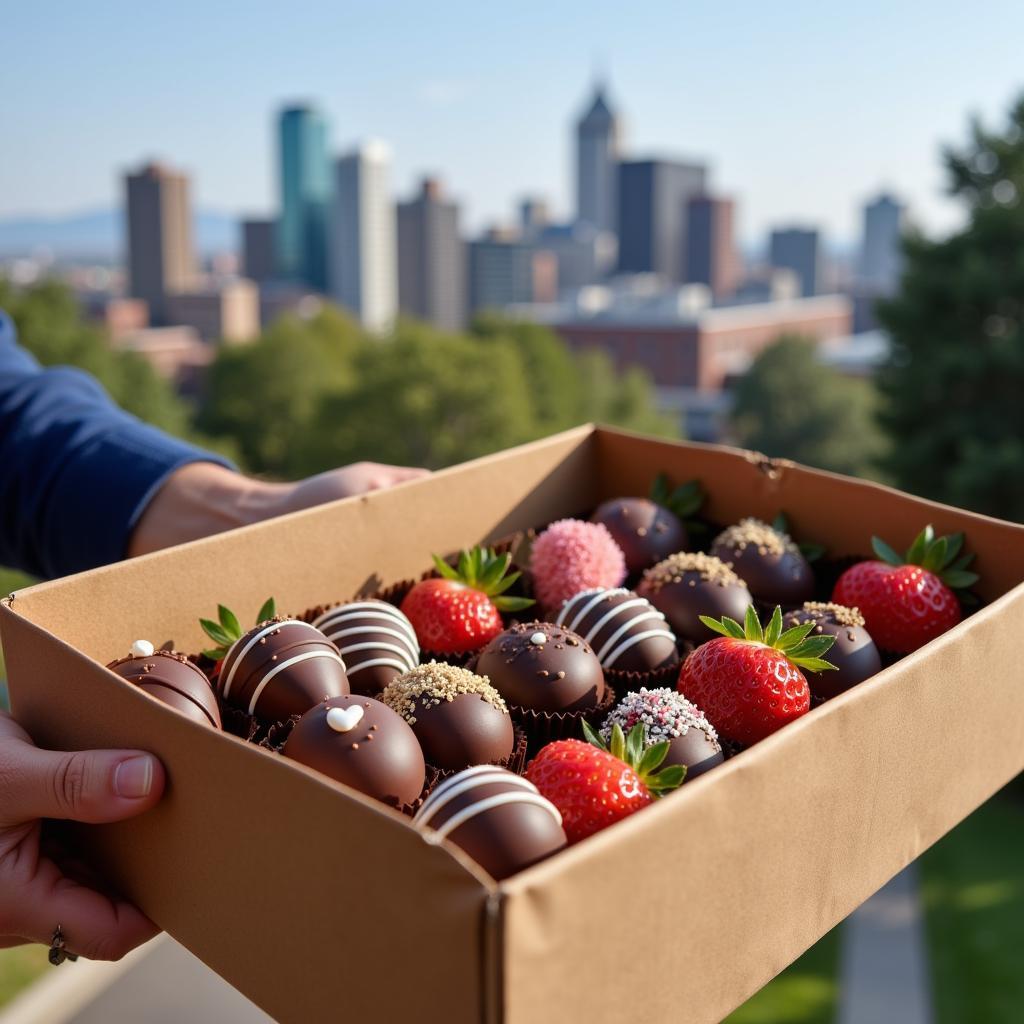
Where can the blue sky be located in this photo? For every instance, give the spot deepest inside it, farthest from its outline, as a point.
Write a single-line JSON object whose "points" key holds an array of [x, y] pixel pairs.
{"points": [[801, 109]]}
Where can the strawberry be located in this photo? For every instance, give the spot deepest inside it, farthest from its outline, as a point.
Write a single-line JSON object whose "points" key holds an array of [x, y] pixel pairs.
{"points": [[228, 629], [461, 611], [748, 680], [594, 785], [908, 600]]}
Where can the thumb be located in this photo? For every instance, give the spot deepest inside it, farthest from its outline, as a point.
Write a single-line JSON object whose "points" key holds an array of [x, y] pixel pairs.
{"points": [[91, 786]]}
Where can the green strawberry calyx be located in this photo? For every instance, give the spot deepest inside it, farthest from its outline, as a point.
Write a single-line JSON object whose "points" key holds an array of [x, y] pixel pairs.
{"points": [[481, 569], [684, 501], [939, 555], [645, 761], [227, 629], [802, 650]]}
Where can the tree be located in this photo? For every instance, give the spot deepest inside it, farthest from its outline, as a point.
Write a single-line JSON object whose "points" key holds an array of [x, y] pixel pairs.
{"points": [[51, 327], [788, 405], [955, 380], [421, 398], [266, 395]]}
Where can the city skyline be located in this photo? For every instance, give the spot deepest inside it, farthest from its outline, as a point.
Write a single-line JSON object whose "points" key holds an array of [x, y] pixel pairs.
{"points": [[810, 148]]}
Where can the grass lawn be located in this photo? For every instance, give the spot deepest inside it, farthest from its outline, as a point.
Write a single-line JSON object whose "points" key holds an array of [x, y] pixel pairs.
{"points": [[804, 993], [973, 889]]}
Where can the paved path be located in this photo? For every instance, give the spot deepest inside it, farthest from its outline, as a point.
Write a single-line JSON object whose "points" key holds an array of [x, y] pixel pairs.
{"points": [[884, 965]]}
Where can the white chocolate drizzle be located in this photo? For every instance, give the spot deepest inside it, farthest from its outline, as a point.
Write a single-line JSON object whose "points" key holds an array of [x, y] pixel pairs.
{"points": [[591, 599]]}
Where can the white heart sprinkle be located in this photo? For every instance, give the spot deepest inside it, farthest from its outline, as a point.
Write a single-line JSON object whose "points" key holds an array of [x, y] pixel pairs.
{"points": [[344, 719], [142, 649], [538, 639]]}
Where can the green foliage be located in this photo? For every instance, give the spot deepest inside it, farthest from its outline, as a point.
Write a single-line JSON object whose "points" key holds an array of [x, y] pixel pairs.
{"points": [[953, 385], [790, 406], [51, 327]]}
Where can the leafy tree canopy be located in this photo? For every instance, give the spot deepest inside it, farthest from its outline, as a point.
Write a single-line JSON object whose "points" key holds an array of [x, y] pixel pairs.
{"points": [[788, 405], [955, 381]]}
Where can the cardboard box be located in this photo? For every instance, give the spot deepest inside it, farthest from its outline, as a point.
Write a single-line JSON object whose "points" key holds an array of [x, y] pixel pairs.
{"points": [[321, 905]]}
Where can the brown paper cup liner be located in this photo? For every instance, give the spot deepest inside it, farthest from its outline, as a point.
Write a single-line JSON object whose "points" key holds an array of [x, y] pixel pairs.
{"points": [[432, 779], [543, 727], [515, 762], [630, 682]]}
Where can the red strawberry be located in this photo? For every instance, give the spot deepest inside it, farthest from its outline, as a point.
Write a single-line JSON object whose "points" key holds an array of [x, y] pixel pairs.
{"points": [[748, 681], [461, 611], [594, 786], [907, 601]]}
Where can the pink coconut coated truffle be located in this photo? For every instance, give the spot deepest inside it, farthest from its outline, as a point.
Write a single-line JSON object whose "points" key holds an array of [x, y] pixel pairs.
{"points": [[570, 556]]}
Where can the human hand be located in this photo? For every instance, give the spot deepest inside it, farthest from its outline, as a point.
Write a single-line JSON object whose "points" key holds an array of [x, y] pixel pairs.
{"points": [[92, 786], [204, 498]]}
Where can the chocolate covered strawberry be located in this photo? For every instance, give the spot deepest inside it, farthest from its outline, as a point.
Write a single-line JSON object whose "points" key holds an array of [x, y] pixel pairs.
{"points": [[227, 629], [594, 785], [910, 599], [461, 611], [748, 681]]}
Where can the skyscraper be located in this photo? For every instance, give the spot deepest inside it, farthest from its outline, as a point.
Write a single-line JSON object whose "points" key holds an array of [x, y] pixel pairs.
{"points": [[431, 259], [161, 259], [798, 249], [597, 154], [881, 258], [363, 263], [711, 256], [305, 182], [653, 199], [258, 251], [505, 270]]}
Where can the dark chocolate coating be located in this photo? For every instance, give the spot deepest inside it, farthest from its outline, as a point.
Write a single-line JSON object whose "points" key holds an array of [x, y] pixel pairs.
{"points": [[504, 839], [696, 750], [785, 579], [854, 653], [610, 642], [375, 640], [646, 532], [293, 690], [464, 731], [173, 679], [379, 756], [560, 674], [683, 603]]}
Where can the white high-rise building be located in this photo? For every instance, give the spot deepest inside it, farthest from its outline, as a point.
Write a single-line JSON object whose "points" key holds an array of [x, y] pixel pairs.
{"points": [[881, 259], [363, 255], [597, 156]]}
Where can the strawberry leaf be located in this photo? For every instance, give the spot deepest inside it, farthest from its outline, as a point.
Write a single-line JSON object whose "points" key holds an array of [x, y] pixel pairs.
{"points": [[962, 562], [780, 523], [812, 552], [884, 552], [917, 550], [725, 626], [447, 571], [660, 490], [215, 654], [812, 664], [652, 759], [794, 635], [935, 557], [635, 744], [216, 632], [773, 630], [229, 621], [512, 604], [752, 626], [592, 736], [686, 500], [267, 611], [954, 542], [812, 647], [959, 578], [666, 780], [617, 747]]}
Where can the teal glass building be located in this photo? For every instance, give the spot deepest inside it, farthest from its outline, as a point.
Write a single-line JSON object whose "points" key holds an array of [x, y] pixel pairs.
{"points": [[305, 183]]}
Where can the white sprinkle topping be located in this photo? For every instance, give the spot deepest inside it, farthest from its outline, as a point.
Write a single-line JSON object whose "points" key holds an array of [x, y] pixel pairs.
{"points": [[539, 639], [142, 649]]}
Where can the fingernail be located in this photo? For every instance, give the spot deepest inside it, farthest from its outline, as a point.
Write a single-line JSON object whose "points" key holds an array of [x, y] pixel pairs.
{"points": [[133, 778]]}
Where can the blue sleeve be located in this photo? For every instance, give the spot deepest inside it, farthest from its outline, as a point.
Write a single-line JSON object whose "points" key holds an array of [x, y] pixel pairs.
{"points": [[76, 472]]}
